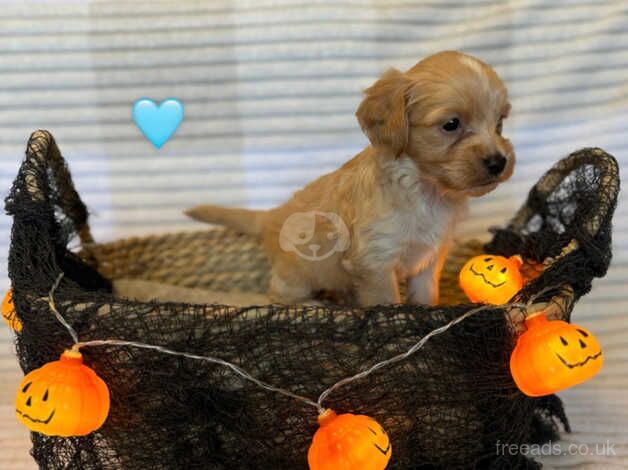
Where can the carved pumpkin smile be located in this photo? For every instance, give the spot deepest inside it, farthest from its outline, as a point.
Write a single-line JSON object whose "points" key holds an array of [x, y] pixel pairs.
{"points": [[484, 277], [8, 312], [383, 451], [581, 363], [34, 420]]}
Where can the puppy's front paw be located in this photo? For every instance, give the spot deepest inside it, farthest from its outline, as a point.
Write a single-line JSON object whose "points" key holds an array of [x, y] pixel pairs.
{"points": [[423, 290], [428, 299]]}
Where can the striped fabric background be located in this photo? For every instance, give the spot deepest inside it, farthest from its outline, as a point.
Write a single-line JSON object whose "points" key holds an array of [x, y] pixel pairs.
{"points": [[270, 88]]}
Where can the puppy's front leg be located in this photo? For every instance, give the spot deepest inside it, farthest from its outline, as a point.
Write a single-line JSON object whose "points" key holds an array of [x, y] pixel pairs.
{"points": [[423, 286], [378, 289]]}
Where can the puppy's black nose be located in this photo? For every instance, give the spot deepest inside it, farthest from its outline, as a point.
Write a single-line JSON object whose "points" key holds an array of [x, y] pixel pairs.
{"points": [[495, 163]]}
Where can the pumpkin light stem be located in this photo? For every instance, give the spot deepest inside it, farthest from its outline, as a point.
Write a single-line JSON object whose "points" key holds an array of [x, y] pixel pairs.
{"points": [[70, 356], [535, 318], [326, 417]]}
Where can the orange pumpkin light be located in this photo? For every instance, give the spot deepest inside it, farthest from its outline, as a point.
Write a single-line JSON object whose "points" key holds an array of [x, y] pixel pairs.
{"points": [[63, 398], [491, 279], [348, 442], [8, 312], [553, 355]]}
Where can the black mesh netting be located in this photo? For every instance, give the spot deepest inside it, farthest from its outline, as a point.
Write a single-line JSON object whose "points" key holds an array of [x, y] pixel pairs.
{"points": [[445, 407]]}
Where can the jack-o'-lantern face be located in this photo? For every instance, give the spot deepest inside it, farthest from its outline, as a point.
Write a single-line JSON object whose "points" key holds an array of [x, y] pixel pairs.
{"points": [[62, 398], [554, 355], [347, 442], [8, 312], [491, 279], [380, 439], [37, 407]]}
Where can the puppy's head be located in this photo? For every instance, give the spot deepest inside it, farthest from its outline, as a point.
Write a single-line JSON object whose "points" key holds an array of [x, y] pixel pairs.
{"points": [[446, 114]]}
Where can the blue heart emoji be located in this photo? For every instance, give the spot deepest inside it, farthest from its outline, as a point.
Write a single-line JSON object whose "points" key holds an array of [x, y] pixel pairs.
{"points": [[158, 122]]}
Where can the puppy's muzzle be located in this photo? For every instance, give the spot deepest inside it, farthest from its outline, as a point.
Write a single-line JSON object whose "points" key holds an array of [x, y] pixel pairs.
{"points": [[495, 164]]}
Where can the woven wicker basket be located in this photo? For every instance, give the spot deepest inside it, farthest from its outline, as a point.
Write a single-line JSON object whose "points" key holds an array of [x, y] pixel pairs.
{"points": [[292, 347], [222, 260]]}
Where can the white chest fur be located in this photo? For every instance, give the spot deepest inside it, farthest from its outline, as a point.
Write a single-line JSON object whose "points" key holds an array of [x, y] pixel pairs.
{"points": [[423, 230], [418, 220]]}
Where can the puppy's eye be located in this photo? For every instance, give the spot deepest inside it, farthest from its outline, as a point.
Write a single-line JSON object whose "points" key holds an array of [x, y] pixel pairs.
{"points": [[500, 125], [451, 125]]}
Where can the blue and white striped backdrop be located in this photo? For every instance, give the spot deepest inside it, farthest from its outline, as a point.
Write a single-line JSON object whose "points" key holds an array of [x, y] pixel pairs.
{"points": [[270, 89]]}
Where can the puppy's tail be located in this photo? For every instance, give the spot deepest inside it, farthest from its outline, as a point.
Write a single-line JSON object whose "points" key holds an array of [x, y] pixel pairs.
{"points": [[242, 220]]}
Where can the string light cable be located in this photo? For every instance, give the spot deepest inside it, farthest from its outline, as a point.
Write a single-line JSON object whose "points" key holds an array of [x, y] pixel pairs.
{"points": [[318, 404]]}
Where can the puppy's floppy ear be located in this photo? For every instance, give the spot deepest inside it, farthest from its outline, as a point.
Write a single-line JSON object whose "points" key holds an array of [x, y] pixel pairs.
{"points": [[383, 114]]}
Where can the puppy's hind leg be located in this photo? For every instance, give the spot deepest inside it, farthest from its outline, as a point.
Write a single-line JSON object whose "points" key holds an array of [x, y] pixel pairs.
{"points": [[288, 289]]}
